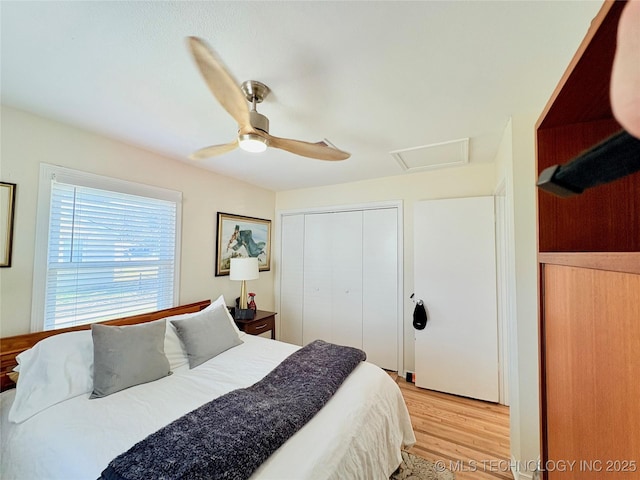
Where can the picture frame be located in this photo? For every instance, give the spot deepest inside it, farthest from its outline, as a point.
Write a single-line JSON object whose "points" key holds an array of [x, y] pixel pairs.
{"points": [[7, 208], [240, 237]]}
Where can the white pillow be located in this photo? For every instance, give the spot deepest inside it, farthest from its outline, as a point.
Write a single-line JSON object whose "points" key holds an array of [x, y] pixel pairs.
{"points": [[173, 347], [55, 369], [61, 367]]}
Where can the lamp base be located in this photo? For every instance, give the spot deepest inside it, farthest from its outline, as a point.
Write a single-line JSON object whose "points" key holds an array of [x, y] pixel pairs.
{"points": [[243, 295]]}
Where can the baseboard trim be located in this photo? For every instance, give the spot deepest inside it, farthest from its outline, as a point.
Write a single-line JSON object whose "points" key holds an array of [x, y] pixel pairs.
{"points": [[521, 475]]}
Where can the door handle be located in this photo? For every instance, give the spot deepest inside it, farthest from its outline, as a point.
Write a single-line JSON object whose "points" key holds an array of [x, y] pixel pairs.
{"points": [[420, 316]]}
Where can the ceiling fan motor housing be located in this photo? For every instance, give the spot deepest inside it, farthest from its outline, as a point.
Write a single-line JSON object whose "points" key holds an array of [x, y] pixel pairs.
{"points": [[259, 121]]}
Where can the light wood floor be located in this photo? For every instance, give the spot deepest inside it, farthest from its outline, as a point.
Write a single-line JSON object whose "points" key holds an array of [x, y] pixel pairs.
{"points": [[471, 437]]}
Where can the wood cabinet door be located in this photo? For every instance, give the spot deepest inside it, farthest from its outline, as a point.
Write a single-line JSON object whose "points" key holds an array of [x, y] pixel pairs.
{"points": [[591, 372]]}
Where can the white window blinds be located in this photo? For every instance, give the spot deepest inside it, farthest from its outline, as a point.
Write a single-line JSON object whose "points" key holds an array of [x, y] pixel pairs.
{"points": [[110, 255]]}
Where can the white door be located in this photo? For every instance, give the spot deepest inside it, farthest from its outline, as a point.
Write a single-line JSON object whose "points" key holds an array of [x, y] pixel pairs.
{"points": [[345, 259], [291, 279], [333, 278], [341, 281], [317, 301], [455, 276], [380, 287]]}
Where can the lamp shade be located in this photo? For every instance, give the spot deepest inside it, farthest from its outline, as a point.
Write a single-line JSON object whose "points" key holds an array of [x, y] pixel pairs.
{"points": [[244, 269]]}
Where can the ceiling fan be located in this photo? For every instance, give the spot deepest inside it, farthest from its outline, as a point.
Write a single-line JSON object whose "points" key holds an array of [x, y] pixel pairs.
{"points": [[253, 127]]}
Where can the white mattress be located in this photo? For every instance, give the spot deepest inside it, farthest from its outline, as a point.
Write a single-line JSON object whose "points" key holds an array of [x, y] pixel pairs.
{"points": [[357, 435]]}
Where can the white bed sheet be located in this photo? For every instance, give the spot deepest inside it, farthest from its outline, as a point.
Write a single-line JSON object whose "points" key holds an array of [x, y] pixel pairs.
{"points": [[357, 435]]}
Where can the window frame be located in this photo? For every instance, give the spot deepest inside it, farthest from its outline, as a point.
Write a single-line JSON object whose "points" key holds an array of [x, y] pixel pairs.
{"points": [[84, 179]]}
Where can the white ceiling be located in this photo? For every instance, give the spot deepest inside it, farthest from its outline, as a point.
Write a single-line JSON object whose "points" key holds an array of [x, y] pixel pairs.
{"points": [[372, 77]]}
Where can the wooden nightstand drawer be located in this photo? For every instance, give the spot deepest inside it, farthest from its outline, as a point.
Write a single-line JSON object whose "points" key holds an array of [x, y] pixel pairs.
{"points": [[262, 322], [260, 326]]}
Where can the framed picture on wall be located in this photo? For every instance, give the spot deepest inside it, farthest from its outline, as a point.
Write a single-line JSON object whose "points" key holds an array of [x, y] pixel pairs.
{"points": [[240, 237], [7, 201]]}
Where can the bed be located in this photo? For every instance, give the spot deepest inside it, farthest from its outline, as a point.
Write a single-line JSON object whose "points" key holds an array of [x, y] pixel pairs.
{"points": [[358, 434]]}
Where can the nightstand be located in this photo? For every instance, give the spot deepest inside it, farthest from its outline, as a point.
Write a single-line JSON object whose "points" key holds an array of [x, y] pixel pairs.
{"points": [[262, 322]]}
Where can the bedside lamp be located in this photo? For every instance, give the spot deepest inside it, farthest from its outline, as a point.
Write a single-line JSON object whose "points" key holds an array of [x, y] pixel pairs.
{"points": [[243, 269]]}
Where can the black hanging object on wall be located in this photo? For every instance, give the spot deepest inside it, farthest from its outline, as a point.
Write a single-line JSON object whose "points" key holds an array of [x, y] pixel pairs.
{"points": [[419, 316], [611, 159]]}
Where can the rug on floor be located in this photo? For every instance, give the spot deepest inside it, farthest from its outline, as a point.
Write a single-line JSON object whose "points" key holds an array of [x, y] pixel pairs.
{"points": [[417, 468]]}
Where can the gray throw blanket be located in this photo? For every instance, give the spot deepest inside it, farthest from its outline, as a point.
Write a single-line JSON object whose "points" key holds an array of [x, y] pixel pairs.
{"points": [[231, 436]]}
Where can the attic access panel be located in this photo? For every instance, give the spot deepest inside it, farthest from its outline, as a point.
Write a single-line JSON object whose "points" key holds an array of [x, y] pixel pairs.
{"points": [[435, 155]]}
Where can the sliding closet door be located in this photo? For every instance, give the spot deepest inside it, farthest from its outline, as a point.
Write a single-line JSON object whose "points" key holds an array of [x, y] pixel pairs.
{"points": [[291, 279], [346, 278], [340, 281], [380, 287], [333, 278], [317, 278]]}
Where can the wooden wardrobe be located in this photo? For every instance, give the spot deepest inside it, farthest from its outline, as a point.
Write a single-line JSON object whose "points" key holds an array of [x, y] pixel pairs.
{"points": [[589, 291]]}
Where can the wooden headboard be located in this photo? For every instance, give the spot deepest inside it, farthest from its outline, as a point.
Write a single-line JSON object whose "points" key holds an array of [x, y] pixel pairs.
{"points": [[10, 347]]}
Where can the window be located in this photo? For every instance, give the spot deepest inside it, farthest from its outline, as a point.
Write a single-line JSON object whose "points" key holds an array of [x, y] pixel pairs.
{"points": [[105, 249]]}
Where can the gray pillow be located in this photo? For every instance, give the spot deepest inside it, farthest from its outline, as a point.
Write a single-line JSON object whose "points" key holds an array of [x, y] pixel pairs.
{"points": [[206, 335], [127, 356]]}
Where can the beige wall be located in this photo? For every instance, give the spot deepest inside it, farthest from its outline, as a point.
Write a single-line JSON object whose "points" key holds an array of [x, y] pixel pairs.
{"points": [[524, 201], [466, 181], [504, 174], [28, 140], [516, 165]]}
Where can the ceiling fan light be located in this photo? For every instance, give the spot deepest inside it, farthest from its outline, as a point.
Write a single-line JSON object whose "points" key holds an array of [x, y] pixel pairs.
{"points": [[253, 143]]}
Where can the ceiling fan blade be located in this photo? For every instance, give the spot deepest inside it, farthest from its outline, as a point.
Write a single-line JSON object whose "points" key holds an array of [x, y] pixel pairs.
{"points": [[220, 81], [319, 150], [213, 150]]}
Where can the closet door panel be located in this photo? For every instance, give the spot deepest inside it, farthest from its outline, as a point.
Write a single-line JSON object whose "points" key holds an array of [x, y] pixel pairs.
{"points": [[346, 278], [339, 281], [380, 287], [317, 278], [292, 279]]}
